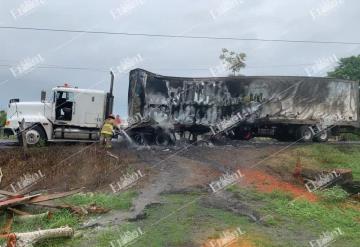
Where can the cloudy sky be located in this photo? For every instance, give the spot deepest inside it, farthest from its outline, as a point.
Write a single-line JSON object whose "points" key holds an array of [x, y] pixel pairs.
{"points": [[32, 60]]}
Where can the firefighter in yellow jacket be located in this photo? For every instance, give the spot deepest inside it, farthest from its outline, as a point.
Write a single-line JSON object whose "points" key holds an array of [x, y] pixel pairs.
{"points": [[107, 131]]}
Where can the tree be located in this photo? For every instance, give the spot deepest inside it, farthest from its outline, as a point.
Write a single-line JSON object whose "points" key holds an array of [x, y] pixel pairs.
{"points": [[233, 61], [2, 118], [348, 68]]}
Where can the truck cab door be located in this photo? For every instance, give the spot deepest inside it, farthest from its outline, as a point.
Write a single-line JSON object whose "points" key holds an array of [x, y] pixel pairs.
{"points": [[64, 106]]}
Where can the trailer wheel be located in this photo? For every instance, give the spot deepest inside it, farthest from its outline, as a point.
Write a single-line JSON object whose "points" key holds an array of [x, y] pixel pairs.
{"points": [[190, 136], [323, 136], [139, 138], [304, 134], [242, 134], [162, 139], [194, 138], [247, 135]]}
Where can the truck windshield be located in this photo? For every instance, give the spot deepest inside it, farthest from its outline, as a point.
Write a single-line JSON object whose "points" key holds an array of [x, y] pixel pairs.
{"points": [[68, 96]]}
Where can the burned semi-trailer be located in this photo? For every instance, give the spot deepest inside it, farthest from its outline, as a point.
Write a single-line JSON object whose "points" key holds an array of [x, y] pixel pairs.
{"points": [[163, 108]]}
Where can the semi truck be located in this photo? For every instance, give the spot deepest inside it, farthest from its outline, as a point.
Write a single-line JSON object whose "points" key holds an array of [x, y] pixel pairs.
{"points": [[162, 109], [72, 115]]}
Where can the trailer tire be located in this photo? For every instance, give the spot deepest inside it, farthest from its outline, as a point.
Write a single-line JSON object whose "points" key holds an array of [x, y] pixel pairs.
{"points": [[139, 138], [242, 134], [162, 139], [304, 134], [323, 136]]}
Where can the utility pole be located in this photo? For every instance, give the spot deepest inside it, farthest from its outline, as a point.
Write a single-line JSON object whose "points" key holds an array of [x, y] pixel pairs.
{"points": [[23, 136]]}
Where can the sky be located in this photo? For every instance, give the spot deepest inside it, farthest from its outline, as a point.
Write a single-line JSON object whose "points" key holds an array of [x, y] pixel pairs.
{"points": [[27, 58]]}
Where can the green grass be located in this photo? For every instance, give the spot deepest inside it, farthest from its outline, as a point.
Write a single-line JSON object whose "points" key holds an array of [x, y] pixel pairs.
{"points": [[166, 233], [122, 201], [331, 156], [172, 224], [319, 217], [60, 218], [196, 223], [313, 218], [333, 195], [3, 137], [350, 136]]}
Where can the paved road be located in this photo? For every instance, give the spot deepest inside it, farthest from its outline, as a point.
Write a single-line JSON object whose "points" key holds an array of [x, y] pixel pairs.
{"points": [[5, 143]]}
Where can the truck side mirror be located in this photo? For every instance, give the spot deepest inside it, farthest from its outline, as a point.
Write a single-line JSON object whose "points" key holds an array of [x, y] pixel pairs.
{"points": [[13, 101], [43, 96]]}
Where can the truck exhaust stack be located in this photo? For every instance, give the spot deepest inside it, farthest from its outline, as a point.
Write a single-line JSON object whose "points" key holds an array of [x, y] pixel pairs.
{"points": [[110, 97]]}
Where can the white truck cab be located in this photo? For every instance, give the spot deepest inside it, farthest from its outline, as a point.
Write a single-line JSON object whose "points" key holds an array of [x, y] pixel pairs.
{"points": [[72, 114]]}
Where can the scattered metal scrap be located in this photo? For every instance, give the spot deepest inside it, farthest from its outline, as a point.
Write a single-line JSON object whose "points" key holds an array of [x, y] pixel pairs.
{"points": [[10, 202], [319, 180]]}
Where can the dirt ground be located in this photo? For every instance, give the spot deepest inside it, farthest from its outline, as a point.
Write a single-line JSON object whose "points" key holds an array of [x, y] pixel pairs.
{"points": [[74, 166], [168, 170]]}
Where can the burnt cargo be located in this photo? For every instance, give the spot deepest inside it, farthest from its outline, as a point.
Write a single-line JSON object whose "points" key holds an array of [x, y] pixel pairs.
{"points": [[275, 99]]}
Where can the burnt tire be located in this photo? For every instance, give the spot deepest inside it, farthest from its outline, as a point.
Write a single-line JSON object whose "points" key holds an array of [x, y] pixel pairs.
{"points": [[242, 134], [304, 134], [323, 136], [247, 136], [139, 139], [162, 139]]}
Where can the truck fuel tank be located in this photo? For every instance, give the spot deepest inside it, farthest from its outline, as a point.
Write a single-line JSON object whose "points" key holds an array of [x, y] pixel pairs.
{"points": [[76, 133]]}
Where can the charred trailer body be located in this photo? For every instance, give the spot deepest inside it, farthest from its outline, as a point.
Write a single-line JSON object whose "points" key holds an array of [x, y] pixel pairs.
{"points": [[286, 107]]}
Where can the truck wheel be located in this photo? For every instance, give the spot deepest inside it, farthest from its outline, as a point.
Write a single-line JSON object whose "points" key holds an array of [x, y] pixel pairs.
{"points": [[304, 134], [323, 136], [35, 136]]}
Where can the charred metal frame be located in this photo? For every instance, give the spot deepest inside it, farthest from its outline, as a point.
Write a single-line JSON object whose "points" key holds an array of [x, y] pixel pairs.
{"points": [[202, 103]]}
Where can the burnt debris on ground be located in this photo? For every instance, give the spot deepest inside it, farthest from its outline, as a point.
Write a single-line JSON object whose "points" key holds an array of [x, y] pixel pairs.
{"points": [[14, 204]]}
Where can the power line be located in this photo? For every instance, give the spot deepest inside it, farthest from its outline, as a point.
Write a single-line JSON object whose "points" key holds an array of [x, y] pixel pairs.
{"points": [[59, 67], [50, 66], [180, 36]]}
